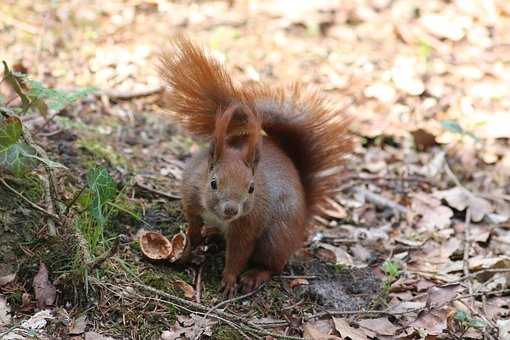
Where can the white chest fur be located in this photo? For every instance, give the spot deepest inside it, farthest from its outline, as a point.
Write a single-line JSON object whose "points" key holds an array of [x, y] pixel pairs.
{"points": [[212, 220]]}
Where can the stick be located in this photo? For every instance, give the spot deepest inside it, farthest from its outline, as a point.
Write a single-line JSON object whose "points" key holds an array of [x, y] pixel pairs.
{"points": [[32, 204], [380, 200], [126, 95]]}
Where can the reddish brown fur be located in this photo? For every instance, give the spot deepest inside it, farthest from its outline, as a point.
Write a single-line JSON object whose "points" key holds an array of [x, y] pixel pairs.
{"points": [[293, 168]]}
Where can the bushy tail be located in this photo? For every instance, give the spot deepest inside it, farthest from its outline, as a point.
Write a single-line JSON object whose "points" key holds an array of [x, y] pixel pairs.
{"points": [[311, 132]]}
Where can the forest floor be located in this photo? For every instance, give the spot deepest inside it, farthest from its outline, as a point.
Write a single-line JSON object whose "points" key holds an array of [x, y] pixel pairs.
{"points": [[416, 245]]}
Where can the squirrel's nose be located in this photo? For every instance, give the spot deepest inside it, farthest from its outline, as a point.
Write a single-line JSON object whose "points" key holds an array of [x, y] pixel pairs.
{"points": [[230, 209]]}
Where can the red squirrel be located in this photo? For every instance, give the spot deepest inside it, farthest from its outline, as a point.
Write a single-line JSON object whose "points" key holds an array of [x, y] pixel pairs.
{"points": [[273, 157]]}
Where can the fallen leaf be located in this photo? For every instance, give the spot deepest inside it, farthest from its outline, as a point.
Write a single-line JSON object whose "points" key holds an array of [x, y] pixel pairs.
{"points": [[5, 310], [438, 296], [406, 77], [345, 330], [381, 326], [433, 322], [38, 320], [77, 326], [435, 166], [311, 332], [341, 256], [186, 288], [96, 336], [298, 282], [433, 213], [381, 91], [334, 209], [45, 291], [449, 26], [423, 139], [460, 199]]}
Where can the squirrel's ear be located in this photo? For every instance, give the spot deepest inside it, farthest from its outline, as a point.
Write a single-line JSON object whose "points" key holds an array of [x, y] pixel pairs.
{"points": [[252, 156]]}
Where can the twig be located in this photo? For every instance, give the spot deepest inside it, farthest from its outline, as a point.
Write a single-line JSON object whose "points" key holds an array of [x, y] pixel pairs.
{"points": [[99, 261], [75, 198], [126, 95], [157, 192], [32, 204], [389, 312], [467, 244], [380, 200], [201, 309], [485, 271], [198, 283], [52, 230], [292, 277]]}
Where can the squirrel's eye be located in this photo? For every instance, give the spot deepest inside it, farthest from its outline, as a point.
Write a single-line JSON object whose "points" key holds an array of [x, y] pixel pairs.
{"points": [[251, 189], [214, 185]]}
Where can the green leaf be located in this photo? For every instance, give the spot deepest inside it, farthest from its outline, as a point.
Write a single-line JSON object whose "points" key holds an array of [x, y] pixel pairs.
{"points": [[477, 323], [104, 189], [14, 79], [54, 99], [461, 316], [13, 158], [390, 268], [452, 126], [10, 131]]}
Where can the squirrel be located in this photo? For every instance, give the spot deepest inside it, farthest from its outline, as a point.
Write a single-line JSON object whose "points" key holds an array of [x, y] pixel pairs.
{"points": [[274, 155]]}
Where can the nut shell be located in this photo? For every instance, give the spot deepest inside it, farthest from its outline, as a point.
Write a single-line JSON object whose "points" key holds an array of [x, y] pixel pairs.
{"points": [[155, 246]]}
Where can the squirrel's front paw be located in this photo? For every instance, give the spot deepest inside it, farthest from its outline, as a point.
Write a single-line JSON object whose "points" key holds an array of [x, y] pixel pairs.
{"points": [[229, 285]]}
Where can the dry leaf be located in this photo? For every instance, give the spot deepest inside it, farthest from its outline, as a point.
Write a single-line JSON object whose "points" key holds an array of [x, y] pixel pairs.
{"points": [[381, 91], [45, 291], [451, 26], [186, 288], [381, 326], [438, 296], [406, 77], [460, 199], [340, 255], [433, 213], [96, 336], [316, 331], [433, 322], [38, 320], [334, 210], [345, 330], [77, 326], [298, 282], [5, 310]]}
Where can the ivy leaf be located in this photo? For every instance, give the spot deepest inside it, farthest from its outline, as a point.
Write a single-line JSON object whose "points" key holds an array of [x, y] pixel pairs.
{"points": [[10, 131], [45, 98], [461, 316], [13, 158], [104, 189], [452, 126]]}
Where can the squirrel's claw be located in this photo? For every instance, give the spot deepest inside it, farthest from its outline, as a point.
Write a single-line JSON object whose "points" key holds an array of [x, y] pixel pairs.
{"points": [[253, 279], [229, 286]]}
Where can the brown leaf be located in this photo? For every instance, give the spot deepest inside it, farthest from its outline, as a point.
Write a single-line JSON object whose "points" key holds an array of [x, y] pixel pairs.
{"points": [[319, 330], [438, 296], [423, 139], [337, 254], [45, 291], [345, 330], [5, 317], [381, 326], [433, 213], [96, 336], [334, 210], [186, 288], [77, 326], [460, 199], [298, 282], [434, 322]]}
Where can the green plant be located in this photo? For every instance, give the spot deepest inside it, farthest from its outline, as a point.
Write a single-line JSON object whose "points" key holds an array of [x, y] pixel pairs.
{"points": [[466, 322]]}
